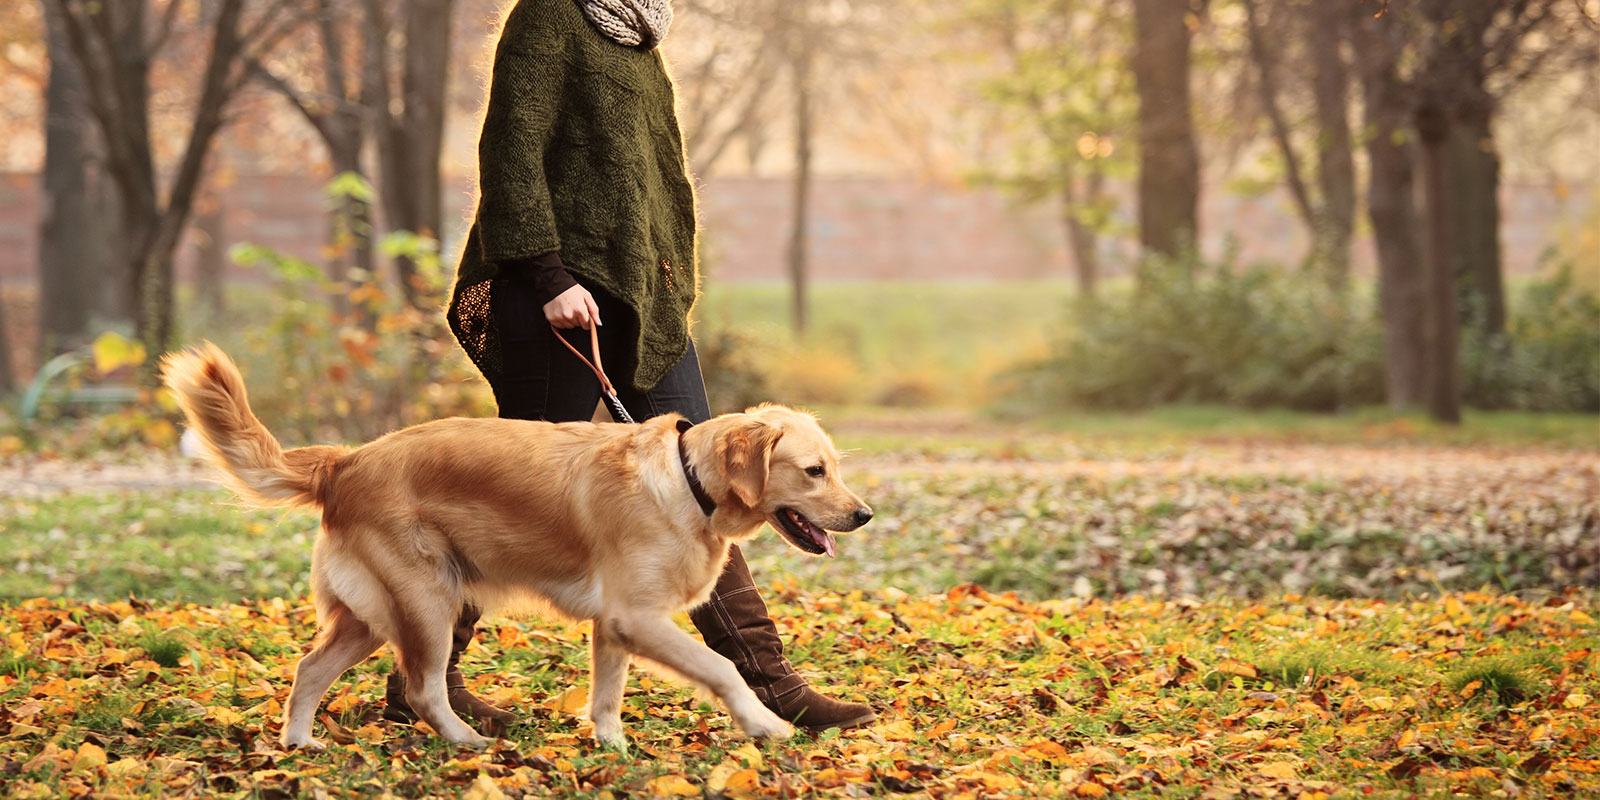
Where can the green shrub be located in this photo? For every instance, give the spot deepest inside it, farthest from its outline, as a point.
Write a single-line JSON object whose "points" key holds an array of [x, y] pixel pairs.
{"points": [[1550, 358], [734, 363], [1199, 333], [1207, 333], [317, 373]]}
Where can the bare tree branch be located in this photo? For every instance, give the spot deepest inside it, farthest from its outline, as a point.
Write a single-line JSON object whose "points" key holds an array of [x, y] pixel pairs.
{"points": [[164, 27], [1267, 81]]}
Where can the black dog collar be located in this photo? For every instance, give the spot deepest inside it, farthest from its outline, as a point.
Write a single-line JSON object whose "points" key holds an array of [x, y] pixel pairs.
{"points": [[706, 503]]}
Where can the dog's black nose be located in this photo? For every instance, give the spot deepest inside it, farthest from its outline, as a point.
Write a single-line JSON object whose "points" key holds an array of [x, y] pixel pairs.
{"points": [[862, 516]]}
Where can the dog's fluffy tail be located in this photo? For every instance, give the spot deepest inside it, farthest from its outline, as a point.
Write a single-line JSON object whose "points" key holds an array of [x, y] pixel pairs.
{"points": [[211, 393]]}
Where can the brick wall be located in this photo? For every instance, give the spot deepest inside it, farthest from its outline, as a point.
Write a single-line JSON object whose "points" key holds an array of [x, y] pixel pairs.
{"points": [[863, 227]]}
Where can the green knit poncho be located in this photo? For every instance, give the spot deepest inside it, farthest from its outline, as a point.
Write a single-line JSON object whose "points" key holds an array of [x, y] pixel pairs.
{"points": [[581, 154]]}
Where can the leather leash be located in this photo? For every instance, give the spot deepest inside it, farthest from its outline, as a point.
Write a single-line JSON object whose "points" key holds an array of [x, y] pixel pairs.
{"points": [[707, 505], [612, 400]]}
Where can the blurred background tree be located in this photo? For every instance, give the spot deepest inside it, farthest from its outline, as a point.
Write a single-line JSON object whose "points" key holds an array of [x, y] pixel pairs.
{"points": [[115, 46], [1065, 99], [1158, 156]]}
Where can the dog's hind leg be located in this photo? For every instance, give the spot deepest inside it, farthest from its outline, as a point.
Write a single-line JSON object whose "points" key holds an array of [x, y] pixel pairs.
{"points": [[343, 642], [655, 637], [424, 644], [608, 675]]}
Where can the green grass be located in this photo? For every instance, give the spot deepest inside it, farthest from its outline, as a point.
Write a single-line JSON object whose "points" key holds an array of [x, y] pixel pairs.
{"points": [[193, 545], [902, 322], [1060, 519]]}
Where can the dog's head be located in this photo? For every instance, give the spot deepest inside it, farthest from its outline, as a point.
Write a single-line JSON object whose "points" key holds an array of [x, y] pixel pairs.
{"points": [[779, 464]]}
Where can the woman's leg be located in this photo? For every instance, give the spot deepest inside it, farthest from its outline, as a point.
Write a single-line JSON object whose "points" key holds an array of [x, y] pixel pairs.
{"points": [[734, 622], [538, 379]]}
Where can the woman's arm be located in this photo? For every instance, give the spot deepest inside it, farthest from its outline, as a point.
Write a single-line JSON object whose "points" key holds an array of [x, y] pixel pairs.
{"points": [[566, 304], [516, 219]]}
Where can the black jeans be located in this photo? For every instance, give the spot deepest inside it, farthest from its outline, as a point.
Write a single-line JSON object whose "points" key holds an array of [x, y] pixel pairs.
{"points": [[541, 379]]}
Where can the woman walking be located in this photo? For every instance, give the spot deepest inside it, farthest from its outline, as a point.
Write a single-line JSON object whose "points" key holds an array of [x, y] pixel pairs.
{"points": [[586, 217]]}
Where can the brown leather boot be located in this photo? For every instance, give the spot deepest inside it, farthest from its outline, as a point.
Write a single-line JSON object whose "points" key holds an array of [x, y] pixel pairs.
{"points": [[734, 622], [396, 709]]}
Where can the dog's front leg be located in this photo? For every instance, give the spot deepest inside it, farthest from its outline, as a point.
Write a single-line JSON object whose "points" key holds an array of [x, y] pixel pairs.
{"points": [[658, 639], [608, 675]]}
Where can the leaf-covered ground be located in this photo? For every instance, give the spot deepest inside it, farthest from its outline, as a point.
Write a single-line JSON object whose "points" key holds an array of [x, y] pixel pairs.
{"points": [[1368, 611], [1043, 516], [980, 696]]}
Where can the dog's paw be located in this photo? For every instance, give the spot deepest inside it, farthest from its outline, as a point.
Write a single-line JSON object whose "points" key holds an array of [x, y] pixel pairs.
{"points": [[306, 742], [612, 740], [474, 741], [775, 729]]}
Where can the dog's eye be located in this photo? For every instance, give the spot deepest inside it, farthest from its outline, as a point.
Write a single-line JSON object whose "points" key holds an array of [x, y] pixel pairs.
{"points": [[815, 472]]}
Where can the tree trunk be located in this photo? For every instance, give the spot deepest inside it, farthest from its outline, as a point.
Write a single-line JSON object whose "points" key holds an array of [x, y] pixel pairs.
{"points": [[1082, 239], [211, 259], [1472, 166], [112, 44], [1330, 85], [805, 125], [67, 226], [1391, 206], [8, 379], [1169, 162], [412, 140], [1443, 325]]}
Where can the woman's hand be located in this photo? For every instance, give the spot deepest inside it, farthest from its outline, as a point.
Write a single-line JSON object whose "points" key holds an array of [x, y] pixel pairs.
{"points": [[573, 308]]}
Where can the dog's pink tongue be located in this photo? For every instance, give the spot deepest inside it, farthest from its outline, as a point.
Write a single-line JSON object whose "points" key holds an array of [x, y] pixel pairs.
{"points": [[830, 544]]}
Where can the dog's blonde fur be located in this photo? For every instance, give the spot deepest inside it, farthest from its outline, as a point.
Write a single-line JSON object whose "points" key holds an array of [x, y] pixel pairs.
{"points": [[594, 520]]}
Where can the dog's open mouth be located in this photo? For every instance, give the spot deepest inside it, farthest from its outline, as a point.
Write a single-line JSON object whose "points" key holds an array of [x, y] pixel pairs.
{"points": [[804, 534]]}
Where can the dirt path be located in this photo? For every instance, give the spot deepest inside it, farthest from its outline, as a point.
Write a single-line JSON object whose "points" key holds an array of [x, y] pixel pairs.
{"points": [[31, 476]]}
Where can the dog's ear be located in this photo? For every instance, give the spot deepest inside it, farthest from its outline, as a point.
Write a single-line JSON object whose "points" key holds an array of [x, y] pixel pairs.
{"points": [[746, 453]]}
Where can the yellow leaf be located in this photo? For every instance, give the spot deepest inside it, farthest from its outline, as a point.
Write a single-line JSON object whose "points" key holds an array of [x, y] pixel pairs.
{"points": [[224, 716], [1380, 703], [748, 753], [1090, 790], [1232, 667], [743, 783], [571, 701], [484, 788], [89, 757], [112, 655], [369, 733], [1582, 618], [998, 781], [113, 351], [1095, 756], [1046, 750], [717, 781], [673, 786], [897, 731], [127, 768], [942, 729], [1575, 700], [1282, 770], [266, 708], [1470, 689]]}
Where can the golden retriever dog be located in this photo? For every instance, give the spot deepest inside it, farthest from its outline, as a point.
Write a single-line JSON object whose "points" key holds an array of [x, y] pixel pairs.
{"points": [[616, 523]]}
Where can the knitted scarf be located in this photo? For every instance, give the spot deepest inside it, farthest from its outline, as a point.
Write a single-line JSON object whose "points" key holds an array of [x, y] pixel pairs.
{"points": [[630, 23]]}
